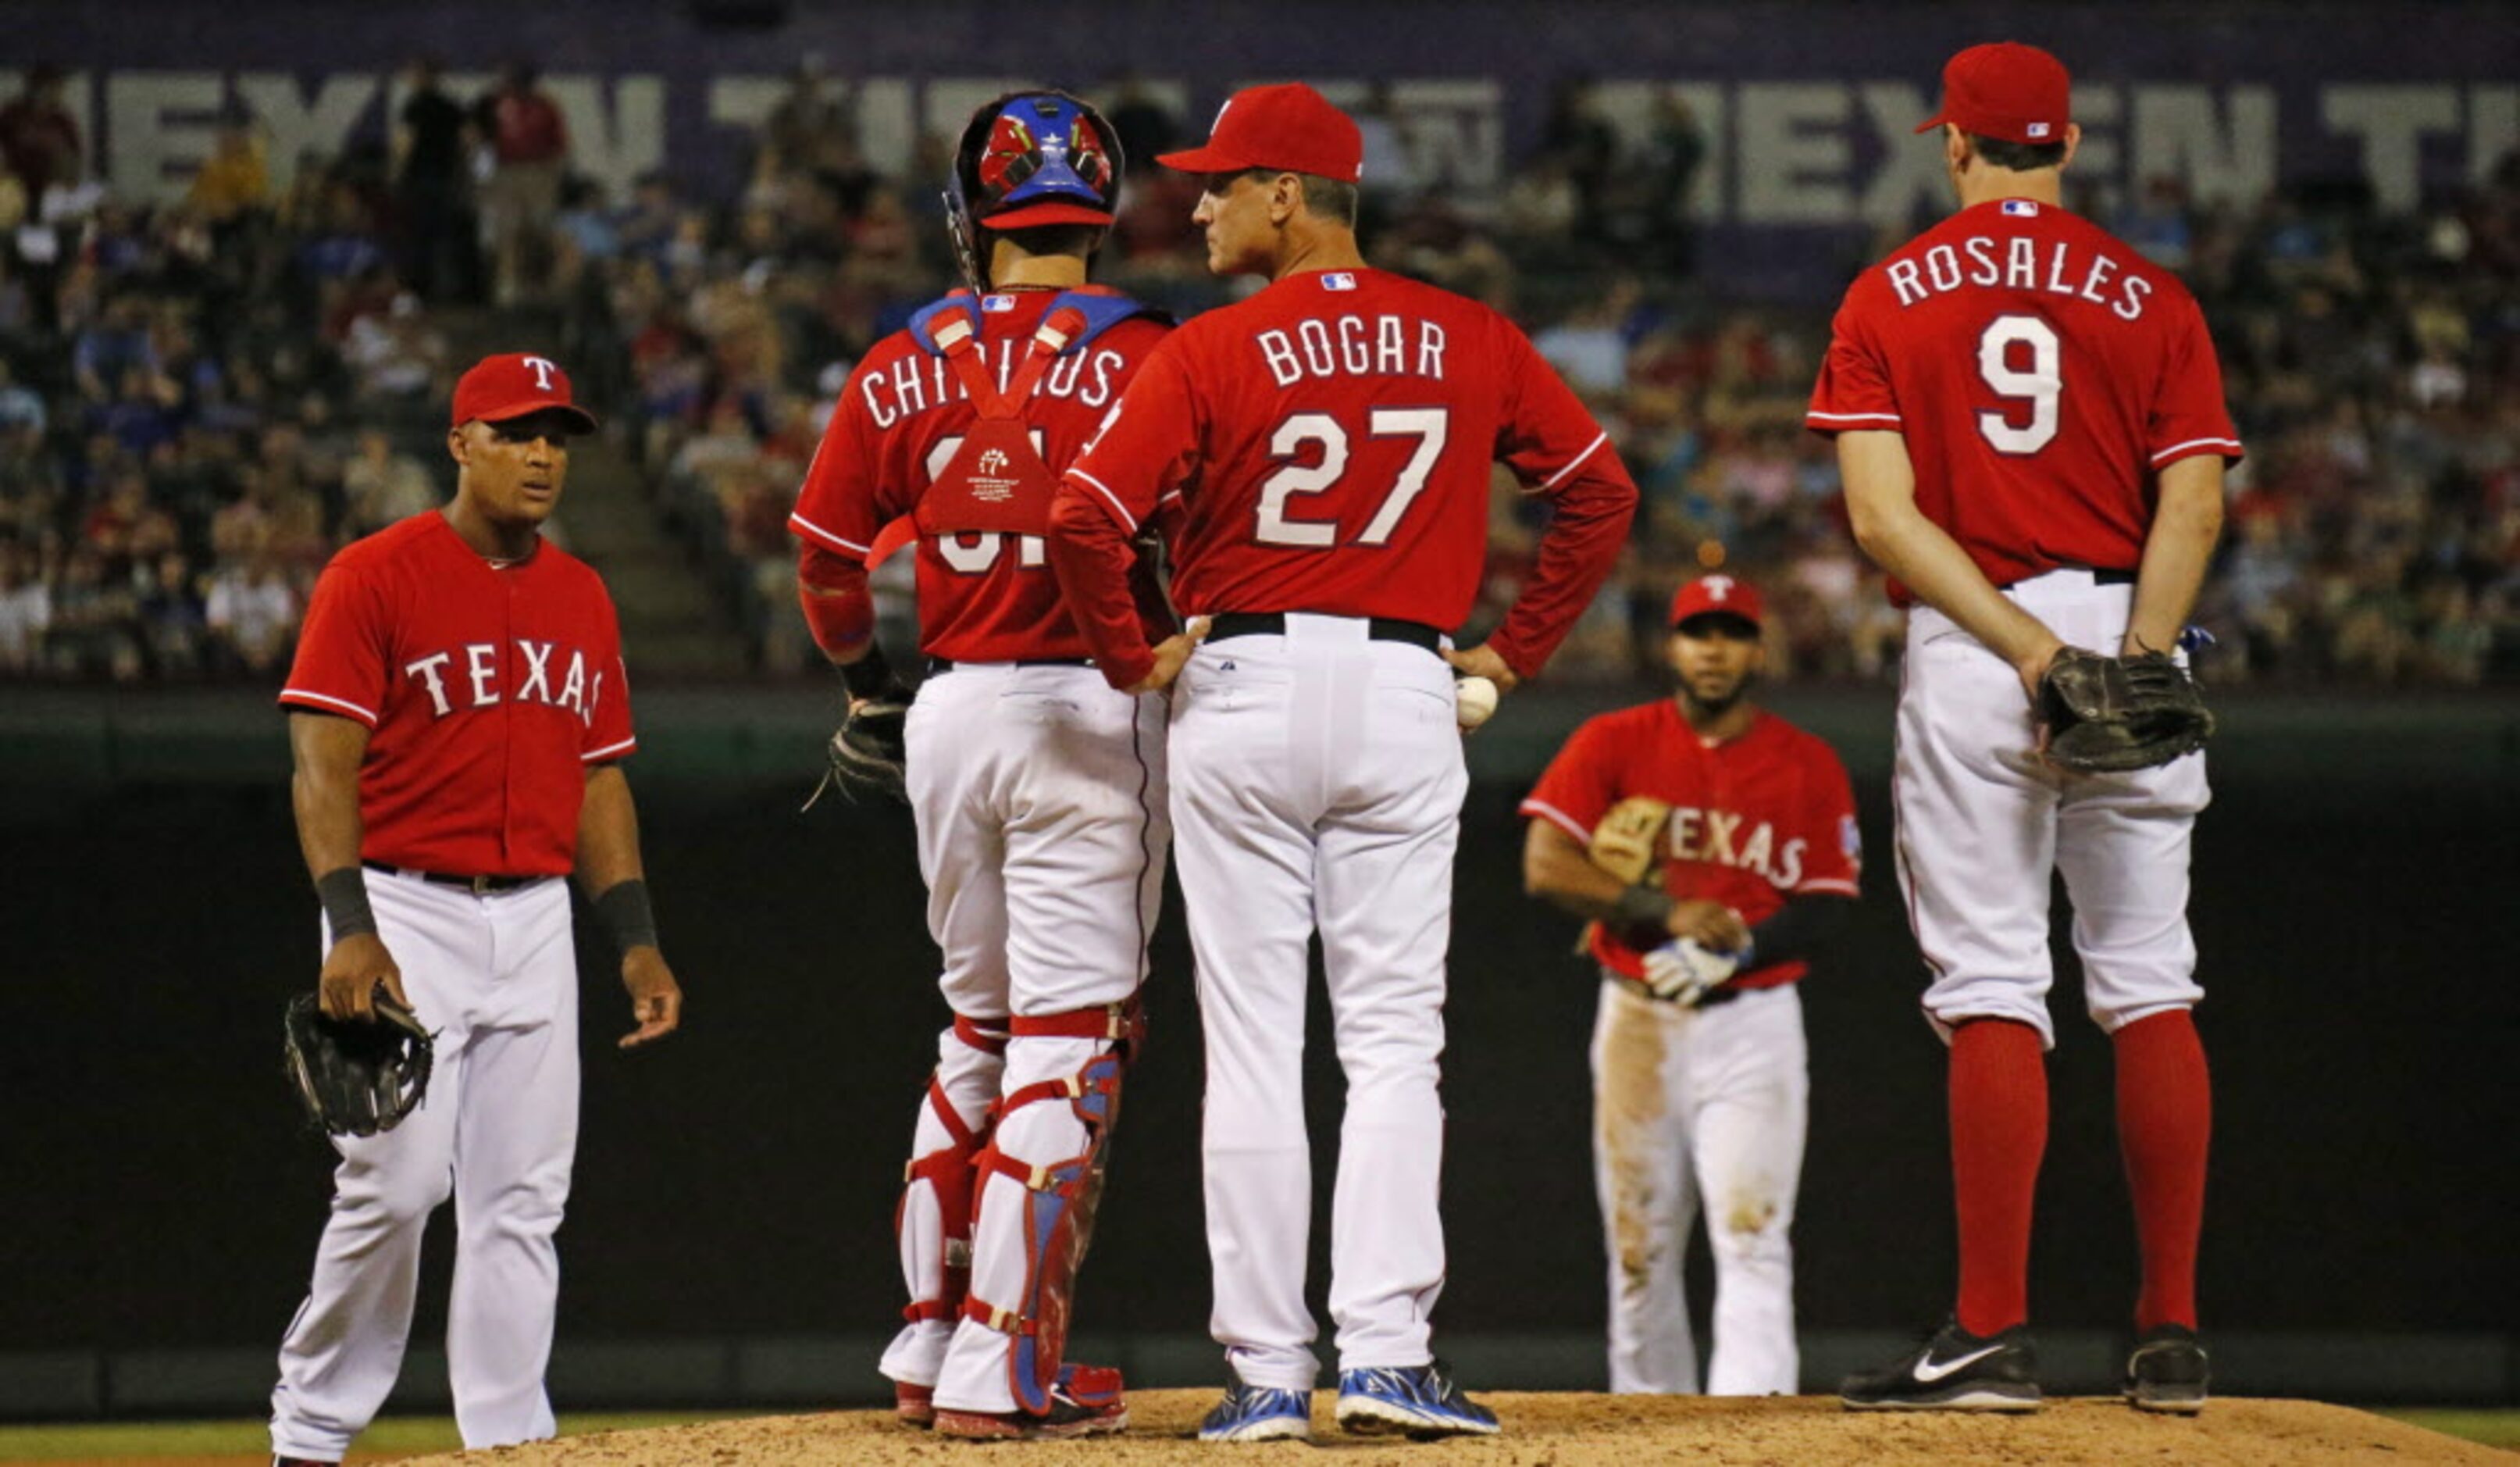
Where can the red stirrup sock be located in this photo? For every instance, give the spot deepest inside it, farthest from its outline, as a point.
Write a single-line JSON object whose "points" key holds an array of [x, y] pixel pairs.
{"points": [[2165, 1115], [1999, 1134]]}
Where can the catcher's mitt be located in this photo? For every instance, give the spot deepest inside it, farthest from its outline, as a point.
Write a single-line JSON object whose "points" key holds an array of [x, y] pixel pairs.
{"points": [[1628, 840], [357, 1078], [867, 752], [2112, 714]]}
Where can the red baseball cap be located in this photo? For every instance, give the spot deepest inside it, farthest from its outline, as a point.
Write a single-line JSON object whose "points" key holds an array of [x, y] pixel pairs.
{"points": [[2006, 90], [1286, 125], [1718, 595], [515, 384]]}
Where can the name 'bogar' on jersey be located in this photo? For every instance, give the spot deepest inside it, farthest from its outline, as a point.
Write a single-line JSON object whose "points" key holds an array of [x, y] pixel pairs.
{"points": [[2043, 374]]}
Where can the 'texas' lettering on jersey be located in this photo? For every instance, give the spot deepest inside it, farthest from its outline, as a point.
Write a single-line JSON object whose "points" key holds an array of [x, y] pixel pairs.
{"points": [[470, 679], [1720, 838], [1384, 345], [2020, 263], [919, 381]]}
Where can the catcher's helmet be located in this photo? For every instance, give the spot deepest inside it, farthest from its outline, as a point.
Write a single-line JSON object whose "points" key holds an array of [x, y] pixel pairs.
{"points": [[1029, 158]]}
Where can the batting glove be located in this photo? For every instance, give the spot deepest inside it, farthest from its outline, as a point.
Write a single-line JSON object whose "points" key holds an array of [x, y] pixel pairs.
{"points": [[1682, 972]]}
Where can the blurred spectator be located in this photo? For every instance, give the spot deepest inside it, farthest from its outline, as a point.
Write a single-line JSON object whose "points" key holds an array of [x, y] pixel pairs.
{"points": [[527, 140], [235, 178], [39, 137], [251, 613], [807, 120], [174, 623], [25, 609], [95, 621], [1145, 124], [397, 356], [432, 190]]}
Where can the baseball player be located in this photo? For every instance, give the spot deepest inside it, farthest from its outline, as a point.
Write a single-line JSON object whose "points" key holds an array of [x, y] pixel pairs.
{"points": [[2031, 432], [1326, 443], [1743, 829], [458, 713], [1038, 790]]}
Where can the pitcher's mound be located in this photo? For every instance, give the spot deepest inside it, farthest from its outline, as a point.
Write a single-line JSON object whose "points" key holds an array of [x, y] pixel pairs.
{"points": [[1579, 1430]]}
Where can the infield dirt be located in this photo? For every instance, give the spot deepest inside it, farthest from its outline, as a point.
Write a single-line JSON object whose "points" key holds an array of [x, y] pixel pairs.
{"points": [[1573, 1430]]}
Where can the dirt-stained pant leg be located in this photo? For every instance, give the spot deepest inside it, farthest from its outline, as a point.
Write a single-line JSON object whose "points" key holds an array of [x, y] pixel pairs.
{"points": [[1647, 1188], [1749, 1083]]}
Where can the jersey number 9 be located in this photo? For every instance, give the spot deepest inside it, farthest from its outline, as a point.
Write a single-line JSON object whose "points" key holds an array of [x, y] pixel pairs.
{"points": [[2041, 385]]}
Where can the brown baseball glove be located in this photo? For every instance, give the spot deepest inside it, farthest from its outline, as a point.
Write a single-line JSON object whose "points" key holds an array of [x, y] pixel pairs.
{"points": [[1628, 843], [2112, 714]]}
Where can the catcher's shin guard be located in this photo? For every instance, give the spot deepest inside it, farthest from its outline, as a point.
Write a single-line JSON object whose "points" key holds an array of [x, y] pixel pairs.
{"points": [[954, 1090], [1061, 1197]]}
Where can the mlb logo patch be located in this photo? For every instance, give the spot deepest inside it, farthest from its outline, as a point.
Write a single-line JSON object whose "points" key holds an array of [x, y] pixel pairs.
{"points": [[1338, 280], [2037, 129], [2020, 208], [996, 304]]}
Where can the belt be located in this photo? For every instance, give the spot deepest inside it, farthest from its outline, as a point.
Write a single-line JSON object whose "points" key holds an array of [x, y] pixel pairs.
{"points": [[479, 885], [1274, 624], [936, 664], [1721, 993], [2099, 577]]}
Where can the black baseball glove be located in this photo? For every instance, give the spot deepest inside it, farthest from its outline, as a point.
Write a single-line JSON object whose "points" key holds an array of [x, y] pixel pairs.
{"points": [[2112, 714], [357, 1078], [867, 752]]}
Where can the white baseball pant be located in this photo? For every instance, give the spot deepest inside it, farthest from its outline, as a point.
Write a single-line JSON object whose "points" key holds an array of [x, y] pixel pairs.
{"points": [[495, 977], [1317, 786], [1039, 796], [1981, 821], [1699, 1109]]}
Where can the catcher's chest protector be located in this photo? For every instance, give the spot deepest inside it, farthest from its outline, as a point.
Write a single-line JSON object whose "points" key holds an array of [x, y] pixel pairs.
{"points": [[995, 483]]}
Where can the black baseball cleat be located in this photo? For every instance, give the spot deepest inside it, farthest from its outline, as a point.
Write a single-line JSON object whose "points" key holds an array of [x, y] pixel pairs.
{"points": [[1954, 1371], [2167, 1372]]}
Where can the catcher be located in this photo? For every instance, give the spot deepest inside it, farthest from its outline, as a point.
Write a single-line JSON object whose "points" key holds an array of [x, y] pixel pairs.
{"points": [[1714, 846], [1038, 790]]}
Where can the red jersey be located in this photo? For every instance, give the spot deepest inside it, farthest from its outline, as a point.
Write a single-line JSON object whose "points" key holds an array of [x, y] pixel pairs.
{"points": [[982, 598], [486, 692], [526, 128], [1327, 442], [2043, 374], [1754, 819]]}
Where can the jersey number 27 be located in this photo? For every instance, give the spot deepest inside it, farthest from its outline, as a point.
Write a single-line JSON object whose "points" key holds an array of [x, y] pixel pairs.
{"points": [[1428, 426]]}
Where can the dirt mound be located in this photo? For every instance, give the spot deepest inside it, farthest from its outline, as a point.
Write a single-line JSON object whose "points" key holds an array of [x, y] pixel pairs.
{"points": [[1578, 1430]]}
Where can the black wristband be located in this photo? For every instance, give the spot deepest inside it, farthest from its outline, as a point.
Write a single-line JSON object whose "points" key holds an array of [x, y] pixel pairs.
{"points": [[869, 676], [623, 906], [1640, 910], [345, 894]]}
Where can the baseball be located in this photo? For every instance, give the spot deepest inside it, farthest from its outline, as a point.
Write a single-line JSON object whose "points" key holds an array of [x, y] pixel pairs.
{"points": [[1475, 698]]}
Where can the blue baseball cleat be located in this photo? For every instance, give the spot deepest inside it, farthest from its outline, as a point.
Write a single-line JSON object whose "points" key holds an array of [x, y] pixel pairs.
{"points": [[1258, 1413], [1421, 1402]]}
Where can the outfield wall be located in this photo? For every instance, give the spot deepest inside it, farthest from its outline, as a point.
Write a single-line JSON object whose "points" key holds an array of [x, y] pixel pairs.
{"points": [[730, 1239]]}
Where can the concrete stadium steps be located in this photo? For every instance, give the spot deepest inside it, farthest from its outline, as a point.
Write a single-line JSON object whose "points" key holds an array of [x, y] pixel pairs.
{"points": [[670, 625]]}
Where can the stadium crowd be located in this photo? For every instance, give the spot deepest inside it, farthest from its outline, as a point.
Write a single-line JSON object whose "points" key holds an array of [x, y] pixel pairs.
{"points": [[200, 399]]}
